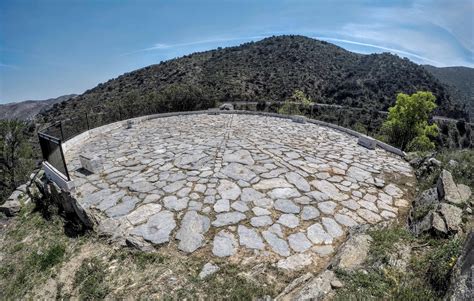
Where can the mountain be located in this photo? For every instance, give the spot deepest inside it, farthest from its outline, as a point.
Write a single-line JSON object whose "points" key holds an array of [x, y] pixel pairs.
{"points": [[267, 70], [460, 83], [26, 110]]}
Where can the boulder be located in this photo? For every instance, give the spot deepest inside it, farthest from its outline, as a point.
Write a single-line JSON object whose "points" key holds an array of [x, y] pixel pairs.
{"points": [[10, 207], [428, 198], [464, 192], [353, 252], [13, 204], [452, 215], [316, 289], [447, 189]]}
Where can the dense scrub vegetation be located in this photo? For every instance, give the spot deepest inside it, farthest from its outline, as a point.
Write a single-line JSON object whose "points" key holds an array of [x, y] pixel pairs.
{"points": [[268, 70], [459, 82], [16, 155]]}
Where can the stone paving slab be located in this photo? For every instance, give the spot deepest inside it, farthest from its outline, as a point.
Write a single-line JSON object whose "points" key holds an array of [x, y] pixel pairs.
{"points": [[231, 184]]}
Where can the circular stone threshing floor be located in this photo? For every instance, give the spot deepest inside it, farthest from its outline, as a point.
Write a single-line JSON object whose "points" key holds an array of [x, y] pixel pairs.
{"points": [[238, 186]]}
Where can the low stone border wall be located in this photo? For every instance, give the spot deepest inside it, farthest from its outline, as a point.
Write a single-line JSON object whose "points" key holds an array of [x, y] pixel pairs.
{"points": [[106, 128]]}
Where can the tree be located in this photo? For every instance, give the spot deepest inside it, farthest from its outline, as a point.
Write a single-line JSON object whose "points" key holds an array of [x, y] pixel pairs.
{"points": [[16, 155], [293, 104], [407, 124]]}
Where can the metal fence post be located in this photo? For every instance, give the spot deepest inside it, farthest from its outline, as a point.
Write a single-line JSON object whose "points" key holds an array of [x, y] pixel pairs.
{"points": [[64, 161], [61, 128]]}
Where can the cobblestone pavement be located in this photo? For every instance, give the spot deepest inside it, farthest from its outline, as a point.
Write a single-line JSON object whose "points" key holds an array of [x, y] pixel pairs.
{"points": [[230, 184]]}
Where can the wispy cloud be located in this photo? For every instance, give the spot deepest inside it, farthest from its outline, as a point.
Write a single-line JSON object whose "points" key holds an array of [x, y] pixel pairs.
{"points": [[2, 65], [213, 41], [392, 50]]}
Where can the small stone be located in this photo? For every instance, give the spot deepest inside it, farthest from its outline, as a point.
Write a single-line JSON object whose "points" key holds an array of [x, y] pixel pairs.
{"points": [[298, 242], [345, 220], [240, 206], [309, 212], [249, 238], [323, 250], [276, 228], [208, 270], [283, 193], [294, 262], [289, 220], [229, 218], [261, 221], [369, 216], [336, 284], [401, 203], [142, 187], [222, 206], [228, 190], [224, 244], [332, 227], [260, 211], [240, 156], [157, 229], [251, 195], [358, 174], [318, 235], [173, 187], [286, 206], [327, 207], [298, 181], [393, 190], [190, 234], [271, 184], [238, 171], [142, 213], [123, 208], [265, 203], [277, 244], [175, 204]]}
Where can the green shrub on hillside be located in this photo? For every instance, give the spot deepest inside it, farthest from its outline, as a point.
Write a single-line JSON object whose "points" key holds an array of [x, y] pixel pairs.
{"points": [[294, 103], [407, 124]]}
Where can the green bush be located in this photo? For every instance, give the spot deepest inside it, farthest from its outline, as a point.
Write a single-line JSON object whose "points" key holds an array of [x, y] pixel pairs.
{"points": [[294, 103], [407, 122]]}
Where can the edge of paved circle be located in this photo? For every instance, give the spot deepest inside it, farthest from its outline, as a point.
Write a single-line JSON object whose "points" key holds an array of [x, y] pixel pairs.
{"points": [[81, 138]]}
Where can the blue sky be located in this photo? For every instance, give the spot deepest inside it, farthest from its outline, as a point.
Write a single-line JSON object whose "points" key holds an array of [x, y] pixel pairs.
{"points": [[53, 47]]}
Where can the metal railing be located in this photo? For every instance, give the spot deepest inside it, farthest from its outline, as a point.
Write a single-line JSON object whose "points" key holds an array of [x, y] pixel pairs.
{"points": [[52, 137]]}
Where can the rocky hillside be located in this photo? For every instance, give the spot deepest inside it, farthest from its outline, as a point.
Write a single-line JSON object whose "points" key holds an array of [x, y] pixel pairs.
{"points": [[270, 69], [460, 83], [26, 110]]}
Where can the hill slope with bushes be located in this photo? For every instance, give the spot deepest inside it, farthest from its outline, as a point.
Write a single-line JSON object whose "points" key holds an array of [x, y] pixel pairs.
{"points": [[267, 70], [460, 83]]}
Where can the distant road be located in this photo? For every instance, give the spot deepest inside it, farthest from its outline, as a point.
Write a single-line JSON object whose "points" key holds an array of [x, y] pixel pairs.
{"points": [[442, 118]]}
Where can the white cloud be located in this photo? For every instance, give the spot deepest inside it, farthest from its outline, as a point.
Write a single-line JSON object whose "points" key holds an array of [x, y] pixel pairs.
{"points": [[392, 50]]}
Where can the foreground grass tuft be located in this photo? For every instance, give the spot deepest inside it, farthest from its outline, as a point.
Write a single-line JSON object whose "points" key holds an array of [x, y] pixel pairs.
{"points": [[90, 280]]}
